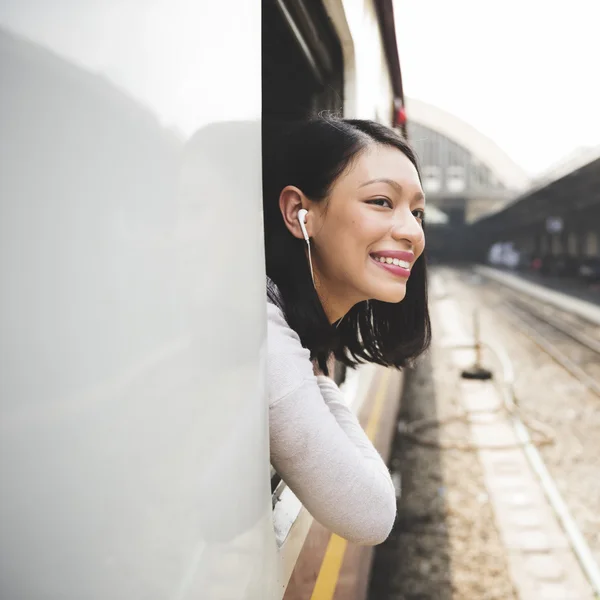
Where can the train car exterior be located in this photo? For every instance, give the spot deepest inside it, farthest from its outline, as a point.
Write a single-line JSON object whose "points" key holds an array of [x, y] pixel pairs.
{"points": [[134, 448]]}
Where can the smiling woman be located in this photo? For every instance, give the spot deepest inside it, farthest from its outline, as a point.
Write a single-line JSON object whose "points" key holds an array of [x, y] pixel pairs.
{"points": [[343, 215]]}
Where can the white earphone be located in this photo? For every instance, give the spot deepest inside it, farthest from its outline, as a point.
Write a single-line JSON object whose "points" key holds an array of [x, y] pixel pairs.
{"points": [[302, 220]]}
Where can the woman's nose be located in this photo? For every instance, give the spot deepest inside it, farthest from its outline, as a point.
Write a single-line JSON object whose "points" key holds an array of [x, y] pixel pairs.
{"points": [[407, 227]]}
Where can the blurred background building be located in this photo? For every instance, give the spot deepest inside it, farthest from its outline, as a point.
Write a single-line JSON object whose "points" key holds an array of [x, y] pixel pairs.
{"points": [[465, 175]]}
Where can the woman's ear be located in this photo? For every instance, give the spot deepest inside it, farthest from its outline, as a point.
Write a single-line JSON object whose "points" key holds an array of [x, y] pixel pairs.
{"points": [[291, 200]]}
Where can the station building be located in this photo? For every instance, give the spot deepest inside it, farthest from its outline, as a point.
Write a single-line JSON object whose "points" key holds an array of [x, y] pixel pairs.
{"points": [[465, 175], [556, 221]]}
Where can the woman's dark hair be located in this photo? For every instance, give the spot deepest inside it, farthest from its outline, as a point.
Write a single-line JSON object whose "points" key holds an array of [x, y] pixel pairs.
{"points": [[311, 155]]}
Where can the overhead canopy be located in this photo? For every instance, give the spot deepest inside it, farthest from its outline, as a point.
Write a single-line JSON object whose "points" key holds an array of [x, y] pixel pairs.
{"points": [[563, 197]]}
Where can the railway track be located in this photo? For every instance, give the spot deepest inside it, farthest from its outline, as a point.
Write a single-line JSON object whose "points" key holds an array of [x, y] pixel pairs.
{"points": [[560, 335], [574, 344]]}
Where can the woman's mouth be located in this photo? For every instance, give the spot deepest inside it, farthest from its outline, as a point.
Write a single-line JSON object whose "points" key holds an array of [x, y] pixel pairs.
{"points": [[393, 264]]}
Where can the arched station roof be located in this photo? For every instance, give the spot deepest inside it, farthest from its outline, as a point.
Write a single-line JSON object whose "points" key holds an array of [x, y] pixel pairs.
{"points": [[483, 148]]}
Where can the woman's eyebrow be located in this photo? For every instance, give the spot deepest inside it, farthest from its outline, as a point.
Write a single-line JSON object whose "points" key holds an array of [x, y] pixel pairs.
{"points": [[391, 182], [419, 197]]}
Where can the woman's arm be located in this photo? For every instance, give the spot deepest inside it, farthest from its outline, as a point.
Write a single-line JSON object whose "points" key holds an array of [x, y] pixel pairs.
{"points": [[319, 448]]}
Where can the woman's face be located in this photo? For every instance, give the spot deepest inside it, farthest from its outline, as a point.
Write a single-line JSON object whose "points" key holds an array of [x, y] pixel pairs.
{"points": [[368, 233]]}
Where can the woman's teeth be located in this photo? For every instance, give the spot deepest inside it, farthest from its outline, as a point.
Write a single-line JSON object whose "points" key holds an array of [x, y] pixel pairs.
{"points": [[393, 261]]}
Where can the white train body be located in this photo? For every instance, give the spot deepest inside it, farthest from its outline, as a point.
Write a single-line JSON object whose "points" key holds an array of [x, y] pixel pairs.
{"points": [[134, 449], [134, 435]]}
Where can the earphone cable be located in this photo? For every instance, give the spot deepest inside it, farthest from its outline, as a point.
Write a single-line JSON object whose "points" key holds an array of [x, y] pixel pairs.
{"points": [[310, 262]]}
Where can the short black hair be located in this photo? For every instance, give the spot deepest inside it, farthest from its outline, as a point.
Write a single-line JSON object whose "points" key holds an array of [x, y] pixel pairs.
{"points": [[311, 155]]}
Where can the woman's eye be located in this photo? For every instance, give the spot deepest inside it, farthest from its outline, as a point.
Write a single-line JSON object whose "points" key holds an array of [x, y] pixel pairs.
{"points": [[381, 202], [419, 214]]}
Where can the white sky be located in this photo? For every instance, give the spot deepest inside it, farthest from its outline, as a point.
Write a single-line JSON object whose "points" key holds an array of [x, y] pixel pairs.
{"points": [[526, 73]]}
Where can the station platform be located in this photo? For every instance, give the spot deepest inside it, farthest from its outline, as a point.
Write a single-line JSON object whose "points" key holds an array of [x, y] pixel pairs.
{"points": [[548, 291], [474, 519]]}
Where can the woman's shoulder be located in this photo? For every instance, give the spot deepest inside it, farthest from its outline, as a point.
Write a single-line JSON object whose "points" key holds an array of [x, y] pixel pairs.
{"points": [[288, 362], [281, 338], [277, 324]]}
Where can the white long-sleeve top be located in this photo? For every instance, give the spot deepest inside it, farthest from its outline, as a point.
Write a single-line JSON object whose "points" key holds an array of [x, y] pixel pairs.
{"points": [[318, 446]]}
